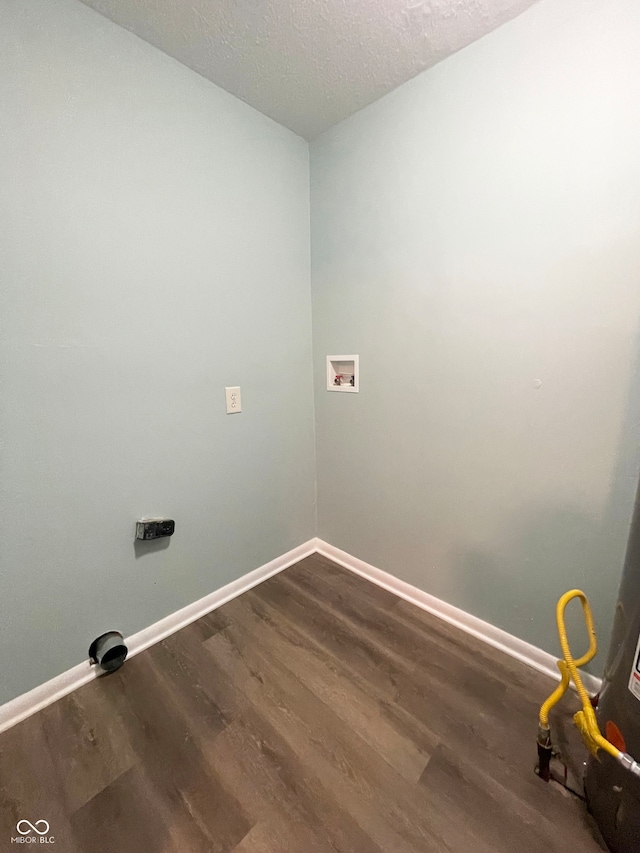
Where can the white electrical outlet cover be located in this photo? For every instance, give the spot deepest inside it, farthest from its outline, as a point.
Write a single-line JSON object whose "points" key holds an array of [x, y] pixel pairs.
{"points": [[234, 399]]}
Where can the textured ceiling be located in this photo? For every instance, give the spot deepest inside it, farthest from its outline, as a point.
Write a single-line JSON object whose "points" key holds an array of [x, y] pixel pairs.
{"points": [[309, 63]]}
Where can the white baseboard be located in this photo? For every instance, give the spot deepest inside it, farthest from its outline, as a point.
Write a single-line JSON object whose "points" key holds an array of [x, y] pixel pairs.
{"points": [[520, 650], [45, 694]]}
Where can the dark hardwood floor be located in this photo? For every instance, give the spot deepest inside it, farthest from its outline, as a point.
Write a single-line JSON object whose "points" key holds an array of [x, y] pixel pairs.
{"points": [[315, 713]]}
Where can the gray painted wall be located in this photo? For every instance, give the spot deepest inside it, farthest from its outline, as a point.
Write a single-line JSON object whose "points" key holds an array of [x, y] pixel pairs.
{"points": [[154, 248], [476, 239]]}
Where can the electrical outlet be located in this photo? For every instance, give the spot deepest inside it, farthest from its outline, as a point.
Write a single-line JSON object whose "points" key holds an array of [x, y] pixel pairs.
{"points": [[154, 528], [234, 400]]}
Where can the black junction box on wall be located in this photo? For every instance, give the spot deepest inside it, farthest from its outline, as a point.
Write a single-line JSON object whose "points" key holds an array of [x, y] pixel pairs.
{"points": [[154, 528]]}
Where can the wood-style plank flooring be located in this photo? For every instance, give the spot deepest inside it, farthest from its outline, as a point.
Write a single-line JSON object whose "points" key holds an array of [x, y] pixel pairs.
{"points": [[315, 713]]}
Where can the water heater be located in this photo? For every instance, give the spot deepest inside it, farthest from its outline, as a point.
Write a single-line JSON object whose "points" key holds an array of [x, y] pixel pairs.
{"points": [[613, 794]]}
